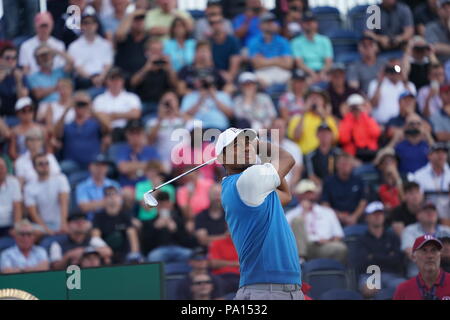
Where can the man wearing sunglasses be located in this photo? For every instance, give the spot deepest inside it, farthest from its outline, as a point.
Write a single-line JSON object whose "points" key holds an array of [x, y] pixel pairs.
{"points": [[24, 256], [11, 81]]}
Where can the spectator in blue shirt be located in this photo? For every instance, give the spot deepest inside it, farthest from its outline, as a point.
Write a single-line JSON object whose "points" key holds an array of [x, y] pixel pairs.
{"points": [[89, 193], [212, 107], [344, 191], [225, 48], [133, 156], [246, 25], [43, 83], [379, 247], [313, 52], [82, 138], [270, 53], [179, 48], [412, 145]]}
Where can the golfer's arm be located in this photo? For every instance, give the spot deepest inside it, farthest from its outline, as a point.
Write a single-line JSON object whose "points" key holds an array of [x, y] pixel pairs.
{"points": [[217, 264], [278, 157], [284, 193]]}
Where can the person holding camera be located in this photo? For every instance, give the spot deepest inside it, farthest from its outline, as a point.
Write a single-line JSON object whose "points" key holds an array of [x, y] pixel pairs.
{"points": [[429, 98], [384, 91], [154, 78], [358, 131], [11, 82], [302, 129], [207, 104], [412, 144], [432, 283], [246, 25], [418, 58], [441, 120]]}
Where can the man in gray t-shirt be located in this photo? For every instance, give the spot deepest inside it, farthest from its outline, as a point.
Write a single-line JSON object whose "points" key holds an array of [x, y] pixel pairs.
{"points": [[437, 33], [362, 72], [47, 198]]}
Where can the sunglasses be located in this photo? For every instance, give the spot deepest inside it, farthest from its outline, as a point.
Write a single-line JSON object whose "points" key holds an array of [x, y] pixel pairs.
{"points": [[196, 283], [81, 104], [141, 17], [42, 163]]}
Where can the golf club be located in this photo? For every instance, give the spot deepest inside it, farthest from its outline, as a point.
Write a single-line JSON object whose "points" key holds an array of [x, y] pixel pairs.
{"points": [[150, 200]]}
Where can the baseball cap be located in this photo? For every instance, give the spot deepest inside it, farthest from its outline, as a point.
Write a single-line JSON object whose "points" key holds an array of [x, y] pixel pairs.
{"points": [[373, 207], [382, 154], [355, 100], [101, 159], [323, 126], [135, 124], [43, 18], [229, 135], [337, 66], [268, 17], [213, 3], [246, 77], [439, 146], [423, 240], [77, 215], [406, 94], [309, 16], [23, 102], [306, 185], [115, 72], [427, 206], [299, 74], [90, 250]]}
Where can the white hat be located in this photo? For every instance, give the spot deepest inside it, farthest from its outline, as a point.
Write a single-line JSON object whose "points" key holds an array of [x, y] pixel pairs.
{"points": [[306, 185], [23, 102], [247, 77], [374, 207], [229, 135], [355, 100]]}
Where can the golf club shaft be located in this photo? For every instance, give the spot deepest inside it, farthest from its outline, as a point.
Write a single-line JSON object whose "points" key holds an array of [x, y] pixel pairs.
{"points": [[184, 174]]}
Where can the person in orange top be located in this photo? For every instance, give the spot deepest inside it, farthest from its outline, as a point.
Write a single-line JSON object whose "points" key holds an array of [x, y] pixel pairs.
{"points": [[224, 262], [358, 132]]}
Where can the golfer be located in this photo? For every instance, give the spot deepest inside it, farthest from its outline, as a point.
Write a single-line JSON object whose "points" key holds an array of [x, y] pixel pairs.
{"points": [[252, 197]]}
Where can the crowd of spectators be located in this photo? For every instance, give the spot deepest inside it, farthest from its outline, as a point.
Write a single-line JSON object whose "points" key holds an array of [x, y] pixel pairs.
{"points": [[93, 117]]}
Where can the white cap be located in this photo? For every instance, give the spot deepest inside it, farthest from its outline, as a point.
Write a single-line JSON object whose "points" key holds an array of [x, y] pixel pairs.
{"points": [[23, 102], [306, 185], [247, 77], [374, 207], [229, 135], [355, 100]]}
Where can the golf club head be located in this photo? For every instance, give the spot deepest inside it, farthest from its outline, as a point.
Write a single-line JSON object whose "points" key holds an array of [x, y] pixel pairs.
{"points": [[150, 200]]}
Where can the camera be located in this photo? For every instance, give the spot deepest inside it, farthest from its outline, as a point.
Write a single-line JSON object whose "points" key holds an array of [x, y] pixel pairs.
{"points": [[160, 62], [392, 69]]}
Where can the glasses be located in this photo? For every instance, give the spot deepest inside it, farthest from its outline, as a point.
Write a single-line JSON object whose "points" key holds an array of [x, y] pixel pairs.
{"points": [[81, 104], [25, 234], [26, 110], [42, 163], [197, 283], [295, 8], [215, 22], [10, 58]]}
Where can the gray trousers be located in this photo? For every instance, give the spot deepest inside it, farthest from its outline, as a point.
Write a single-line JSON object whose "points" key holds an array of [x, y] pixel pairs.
{"points": [[245, 293]]}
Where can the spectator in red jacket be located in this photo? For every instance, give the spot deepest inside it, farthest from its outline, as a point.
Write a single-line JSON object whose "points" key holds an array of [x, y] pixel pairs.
{"points": [[358, 132], [224, 262]]}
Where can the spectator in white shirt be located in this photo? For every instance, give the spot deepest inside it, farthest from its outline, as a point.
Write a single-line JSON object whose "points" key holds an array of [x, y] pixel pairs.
{"points": [[316, 228], [43, 23], [25, 256], [93, 55], [434, 179], [385, 91], [118, 104], [429, 100], [10, 200], [24, 164], [47, 198], [427, 223]]}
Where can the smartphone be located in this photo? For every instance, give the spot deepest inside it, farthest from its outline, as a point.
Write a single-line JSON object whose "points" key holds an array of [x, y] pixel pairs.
{"points": [[164, 213]]}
